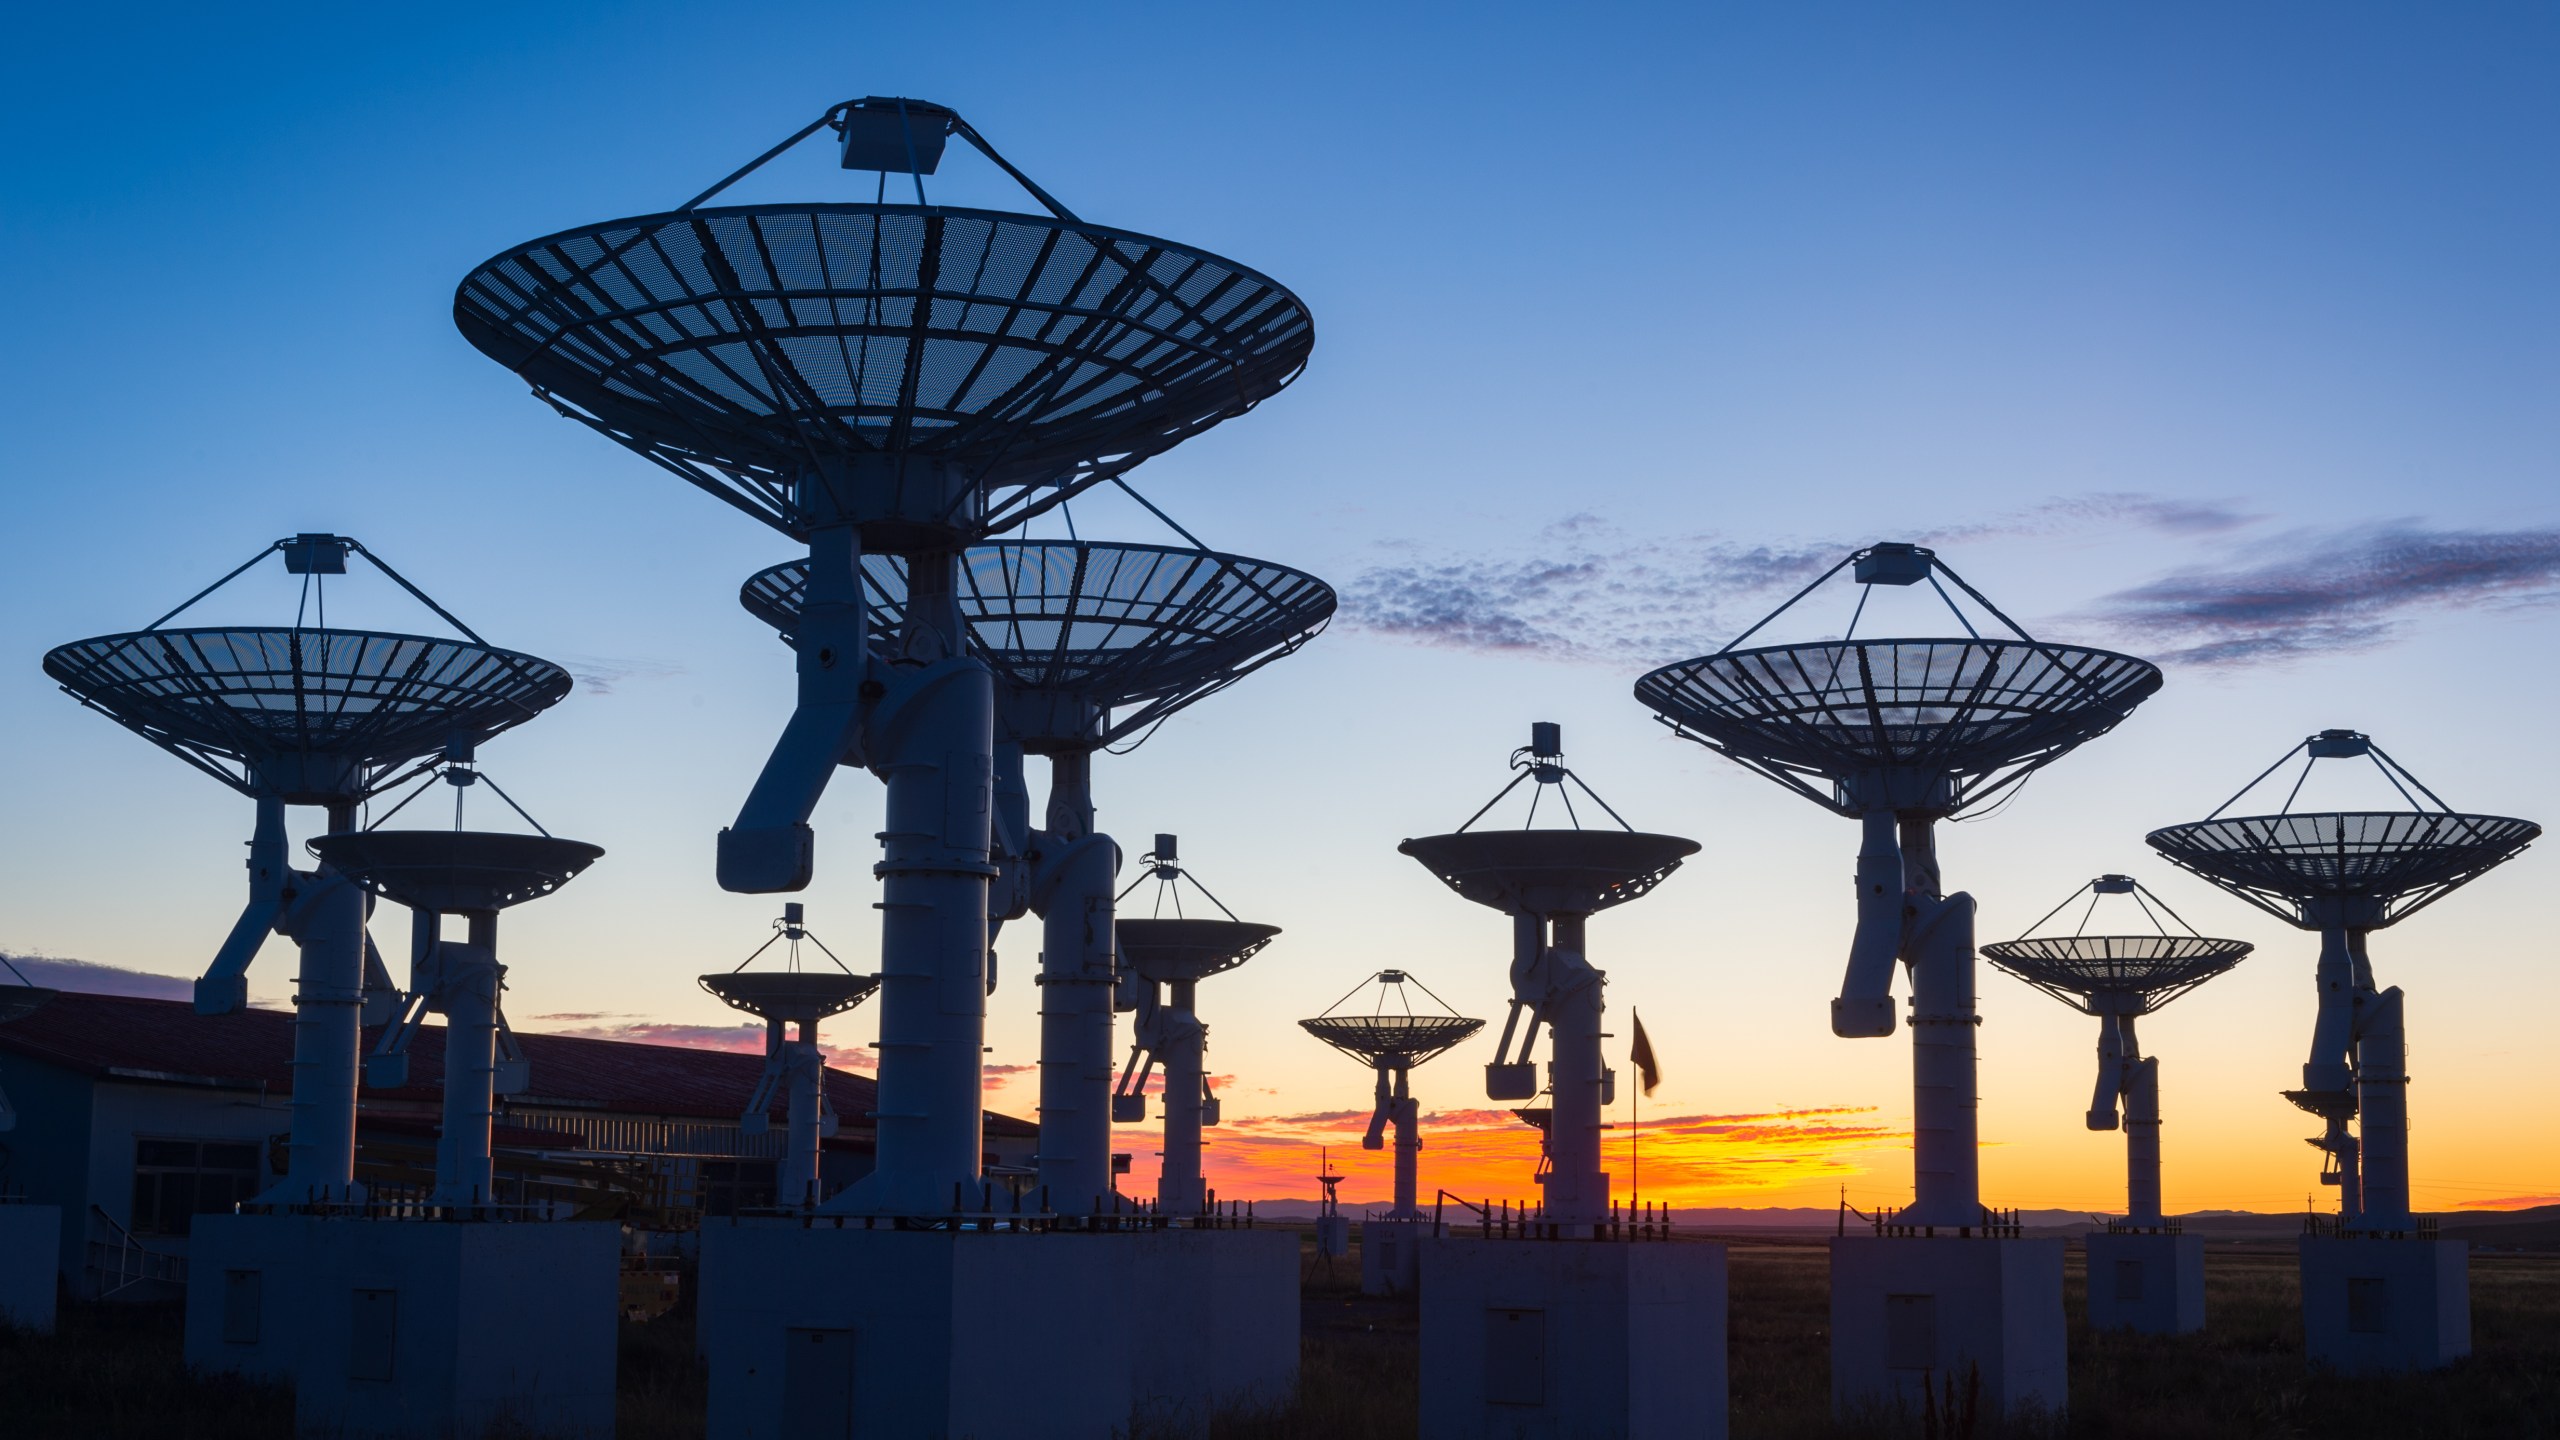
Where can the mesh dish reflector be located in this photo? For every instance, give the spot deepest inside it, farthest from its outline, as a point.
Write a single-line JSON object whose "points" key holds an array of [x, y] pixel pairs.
{"points": [[1973, 710], [1113, 625], [810, 995], [1392, 1041], [2401, 858], [746, 345], [1179, 949], [455, 870], [1546, 871], [255, 695], [2157, 968]]}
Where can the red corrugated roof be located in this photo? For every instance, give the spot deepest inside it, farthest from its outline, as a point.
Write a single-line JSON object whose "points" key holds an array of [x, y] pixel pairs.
{"points": [[128, 1037]]}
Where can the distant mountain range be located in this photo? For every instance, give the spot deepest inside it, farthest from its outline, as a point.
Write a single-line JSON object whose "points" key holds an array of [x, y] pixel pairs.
{"points": [[2538, 1227]]}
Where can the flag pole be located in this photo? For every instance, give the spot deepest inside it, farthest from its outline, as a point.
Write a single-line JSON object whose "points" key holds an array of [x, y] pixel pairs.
{"points": [[1635, 1134]]}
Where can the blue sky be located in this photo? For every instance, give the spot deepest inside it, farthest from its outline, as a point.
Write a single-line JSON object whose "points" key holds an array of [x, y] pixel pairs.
{"points": [[2209, 332]]}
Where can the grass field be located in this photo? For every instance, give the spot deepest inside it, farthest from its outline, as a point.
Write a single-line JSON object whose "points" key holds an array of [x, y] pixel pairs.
{"points": [[113, 1372]]}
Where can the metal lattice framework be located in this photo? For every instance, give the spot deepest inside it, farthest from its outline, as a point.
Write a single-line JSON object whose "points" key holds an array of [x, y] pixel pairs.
{"points": [[747, 347], [1172, 949], [2151, 969], [456, 870], [235, 701], [1984, 712], [2405, 860], [1141, 629]]}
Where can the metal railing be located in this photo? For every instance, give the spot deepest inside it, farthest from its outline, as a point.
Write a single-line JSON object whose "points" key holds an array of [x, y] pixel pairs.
{"points": [[1509, 1220], [123, 1262], [1995, 1224]]}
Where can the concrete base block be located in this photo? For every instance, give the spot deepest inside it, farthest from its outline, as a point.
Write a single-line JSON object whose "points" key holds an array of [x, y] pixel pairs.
{"points": [[1568, 1339], [2373, 1305], [1218, 1325], [1391, 1255], [823, 1332], [2153, 1284], [30, 1257], [414, 1330], [1909, 1312]]}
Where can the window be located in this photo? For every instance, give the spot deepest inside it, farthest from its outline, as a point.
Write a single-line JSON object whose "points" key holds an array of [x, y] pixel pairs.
{"points": [[730, 1186], [174, 1181]]}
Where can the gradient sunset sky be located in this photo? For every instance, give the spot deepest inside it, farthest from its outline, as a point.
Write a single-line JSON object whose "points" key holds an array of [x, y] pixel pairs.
{"points": [[2225, 335]]}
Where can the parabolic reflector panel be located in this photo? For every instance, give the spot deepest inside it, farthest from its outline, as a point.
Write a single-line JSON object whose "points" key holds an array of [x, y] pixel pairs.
{"points": [[452, 870], [1968, 709], [2401, 857], [1180, 949], [252, 695], [1547, 871], [2146, 965], [1392, 1040], [746, 345], [791, 994], [1112, 624]]}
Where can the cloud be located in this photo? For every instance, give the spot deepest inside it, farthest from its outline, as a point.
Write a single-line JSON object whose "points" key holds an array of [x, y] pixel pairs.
{"points": [[1589, 591], [88, 977], [747, 1039], [599, 674], [2311, 593]]}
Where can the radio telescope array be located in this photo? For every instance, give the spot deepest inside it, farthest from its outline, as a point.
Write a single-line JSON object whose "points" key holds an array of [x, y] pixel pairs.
{"points": [[2143, 1274], [1901, 734], [1390, 1036], [2346, 874], [909, 380], [1092, 646]]}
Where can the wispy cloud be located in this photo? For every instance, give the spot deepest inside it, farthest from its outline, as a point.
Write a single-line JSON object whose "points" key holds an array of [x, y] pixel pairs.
{"points": [[1590, 591], [2311, 593], [599, 674], [747, 1039], [88, 977]]}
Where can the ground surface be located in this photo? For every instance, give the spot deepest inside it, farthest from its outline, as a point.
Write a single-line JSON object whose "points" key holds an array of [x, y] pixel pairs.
{"points": [[112, 1373]]}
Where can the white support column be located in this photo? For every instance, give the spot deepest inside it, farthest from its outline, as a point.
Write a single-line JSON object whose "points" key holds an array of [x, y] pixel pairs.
{"points": [[2141, 1133], [1180, 1191], [1577, 1190], [2382, 1112], [1945, 1140], [1072, 891], [1408, 1122], [933, 738], [804, 1069], [469, 976], [325, 920]]}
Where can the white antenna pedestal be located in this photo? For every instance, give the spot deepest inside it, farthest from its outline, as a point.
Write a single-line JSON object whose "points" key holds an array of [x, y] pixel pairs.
{"points": [[2383, 1304], [1573, 1337], [2148, 1281], [1909, 1312], [413, 1328]]}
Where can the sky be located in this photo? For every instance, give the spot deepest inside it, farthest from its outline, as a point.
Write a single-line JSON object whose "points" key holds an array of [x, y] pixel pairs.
{"points": [[2221, 335]]}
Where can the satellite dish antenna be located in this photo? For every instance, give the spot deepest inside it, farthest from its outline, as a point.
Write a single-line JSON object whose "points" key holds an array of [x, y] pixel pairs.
{"points": [[1903, 733], [1168, 956], [1092, 646], [303, 714], [2119, 978], [784, 998], [2143, 1274], [472, 874], [901, 379], [2346, 874], [1391, 1037], [1549, 882], [1387, 1033]]}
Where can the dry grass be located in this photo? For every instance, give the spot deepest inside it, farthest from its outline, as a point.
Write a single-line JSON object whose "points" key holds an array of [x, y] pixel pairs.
{"points": [[113, 1372]]}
